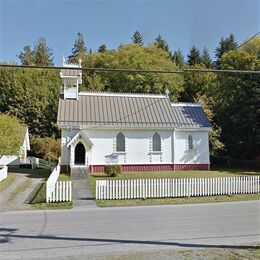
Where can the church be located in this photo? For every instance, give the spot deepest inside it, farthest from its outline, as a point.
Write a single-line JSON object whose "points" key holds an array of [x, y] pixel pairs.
{"points": [[140, 132]]}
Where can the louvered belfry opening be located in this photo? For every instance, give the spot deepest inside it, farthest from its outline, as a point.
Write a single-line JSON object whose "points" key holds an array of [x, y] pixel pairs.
{"points": [[80, 153]]}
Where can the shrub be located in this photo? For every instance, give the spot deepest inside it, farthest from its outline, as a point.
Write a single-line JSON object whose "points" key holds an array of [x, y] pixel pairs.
{"points": [[113, 170], [47, 148]]}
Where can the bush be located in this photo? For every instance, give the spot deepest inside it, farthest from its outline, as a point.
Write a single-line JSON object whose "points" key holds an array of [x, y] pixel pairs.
{"points": [[113, 170], [46, 148]]}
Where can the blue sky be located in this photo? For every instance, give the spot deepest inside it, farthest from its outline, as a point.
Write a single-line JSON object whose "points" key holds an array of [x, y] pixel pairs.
{"points": [[181, 22]]}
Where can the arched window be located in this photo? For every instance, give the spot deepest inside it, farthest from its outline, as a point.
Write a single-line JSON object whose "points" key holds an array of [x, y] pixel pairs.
{"points": [[156, 142], [120, 142], [190, 142]]}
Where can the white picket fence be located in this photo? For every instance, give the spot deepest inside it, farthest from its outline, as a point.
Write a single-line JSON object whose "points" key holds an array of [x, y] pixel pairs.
{"points": [[183, 187], [3, 173], [58, 191], [62, 192]]}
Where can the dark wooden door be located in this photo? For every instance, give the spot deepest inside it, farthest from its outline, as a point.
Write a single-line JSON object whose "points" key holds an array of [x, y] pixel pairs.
{"points": [[80, 154]]}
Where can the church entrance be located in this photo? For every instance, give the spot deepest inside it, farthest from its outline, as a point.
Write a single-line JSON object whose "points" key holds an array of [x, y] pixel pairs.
{"points": [[80, 154]]}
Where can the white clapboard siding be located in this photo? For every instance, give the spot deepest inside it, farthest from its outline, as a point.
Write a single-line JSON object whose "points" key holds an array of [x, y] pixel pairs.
{"points": [[3, 173], [182, 187]]}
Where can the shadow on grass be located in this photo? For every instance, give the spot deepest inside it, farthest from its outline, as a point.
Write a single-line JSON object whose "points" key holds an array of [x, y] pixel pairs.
{"points": [[237, 171], [31, 173]]}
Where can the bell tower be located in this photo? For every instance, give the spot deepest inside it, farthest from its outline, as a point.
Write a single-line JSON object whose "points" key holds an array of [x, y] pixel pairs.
{"points": [[71, 78]]}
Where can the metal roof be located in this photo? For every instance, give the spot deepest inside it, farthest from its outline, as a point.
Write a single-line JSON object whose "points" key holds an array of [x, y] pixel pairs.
{"points": [[129, 110]]}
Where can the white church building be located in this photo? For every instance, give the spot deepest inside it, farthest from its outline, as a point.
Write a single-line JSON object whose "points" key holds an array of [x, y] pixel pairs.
{"points": [[141, 132]]}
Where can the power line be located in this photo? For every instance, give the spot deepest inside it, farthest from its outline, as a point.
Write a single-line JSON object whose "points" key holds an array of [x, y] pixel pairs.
{"points": [[180, 71], [248, 40]]}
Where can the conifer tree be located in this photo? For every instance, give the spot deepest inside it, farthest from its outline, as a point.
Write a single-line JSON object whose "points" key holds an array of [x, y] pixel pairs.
{"points": [[194, 56], [225, 45], [137, 38], [79, 51], [178, 58], [205, 58], [43, 55], [27, 56], [161, 43], [102, 48]]}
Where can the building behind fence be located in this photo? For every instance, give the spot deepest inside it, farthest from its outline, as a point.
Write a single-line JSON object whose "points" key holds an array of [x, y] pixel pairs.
{"points": [[58, 191], [3, 173], [183, 187]]}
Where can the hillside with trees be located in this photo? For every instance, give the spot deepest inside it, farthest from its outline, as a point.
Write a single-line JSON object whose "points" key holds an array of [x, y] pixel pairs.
{"points": [[231, 101]]}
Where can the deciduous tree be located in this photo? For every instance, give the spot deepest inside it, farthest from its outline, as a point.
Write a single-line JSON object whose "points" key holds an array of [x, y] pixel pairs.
{"points": [[11, 135]]}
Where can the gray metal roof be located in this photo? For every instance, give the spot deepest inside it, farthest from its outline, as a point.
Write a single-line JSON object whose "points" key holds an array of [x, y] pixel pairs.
{"points": [[106, 109]]}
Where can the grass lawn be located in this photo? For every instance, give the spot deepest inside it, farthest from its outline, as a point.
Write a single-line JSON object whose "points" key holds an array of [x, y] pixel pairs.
{"points": [[178, 174], [243, 252], [39, 200]]}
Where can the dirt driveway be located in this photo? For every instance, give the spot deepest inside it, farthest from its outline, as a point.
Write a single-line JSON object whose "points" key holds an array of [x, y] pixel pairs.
{"points": [[14, 196]]}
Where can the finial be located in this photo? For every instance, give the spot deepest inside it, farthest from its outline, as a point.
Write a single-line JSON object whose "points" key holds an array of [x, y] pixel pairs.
{"points": [[167, 92], [63, 60], [80, 62]]}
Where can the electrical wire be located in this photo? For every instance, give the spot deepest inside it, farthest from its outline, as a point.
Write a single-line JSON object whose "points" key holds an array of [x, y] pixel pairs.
{"points": [[180, 71]]}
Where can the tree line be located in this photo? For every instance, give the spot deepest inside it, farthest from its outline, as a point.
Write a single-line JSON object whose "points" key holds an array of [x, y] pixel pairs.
{"points": [[231, 101]]}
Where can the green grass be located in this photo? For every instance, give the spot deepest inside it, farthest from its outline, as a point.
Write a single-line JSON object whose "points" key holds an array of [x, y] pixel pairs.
{"points": [[7, 182], [64, 177], [232, 253], [39, 200], [178, 174]]}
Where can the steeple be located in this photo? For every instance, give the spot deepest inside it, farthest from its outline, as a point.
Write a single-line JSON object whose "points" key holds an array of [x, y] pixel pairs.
{"points": [[71, 78]]}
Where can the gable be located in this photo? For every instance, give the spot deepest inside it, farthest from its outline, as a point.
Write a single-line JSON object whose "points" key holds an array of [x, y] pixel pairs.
{"points": [[80, 136]]}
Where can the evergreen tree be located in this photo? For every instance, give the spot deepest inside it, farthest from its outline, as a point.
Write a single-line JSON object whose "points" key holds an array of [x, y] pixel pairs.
{"points": [[102, 48], [43, 55], [194, 56], [225, 45], [206, 60], [137, 38], [79, 51], [178, 58], [161, 43], [27, 56]]}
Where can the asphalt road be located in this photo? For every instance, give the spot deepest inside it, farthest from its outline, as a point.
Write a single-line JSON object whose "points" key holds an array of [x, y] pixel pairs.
{"points": [[97, 232]]}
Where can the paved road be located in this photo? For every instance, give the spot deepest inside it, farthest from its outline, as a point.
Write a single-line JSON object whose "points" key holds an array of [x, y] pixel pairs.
{"points": [[97, 232]]}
